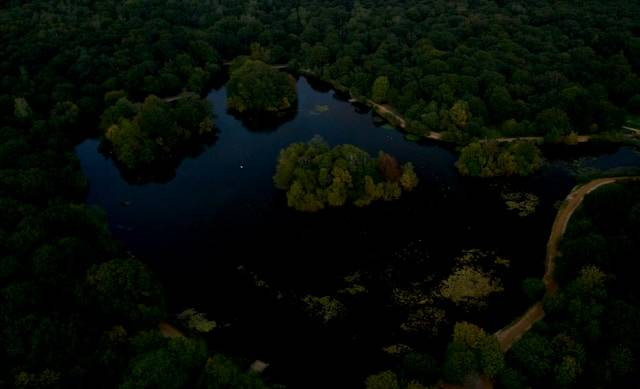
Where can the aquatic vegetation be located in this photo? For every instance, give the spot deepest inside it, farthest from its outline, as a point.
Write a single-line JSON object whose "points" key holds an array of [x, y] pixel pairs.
{"points": [[523, 203], [396, 349], [196, 321], [354, 285], [319, 109], [426, 320], [325, 308], [469, 286]]}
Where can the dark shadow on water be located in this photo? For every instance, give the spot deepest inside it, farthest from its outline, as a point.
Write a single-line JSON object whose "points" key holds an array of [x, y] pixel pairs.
{"points": [[265, 122], [318, 85], [567, 152]]}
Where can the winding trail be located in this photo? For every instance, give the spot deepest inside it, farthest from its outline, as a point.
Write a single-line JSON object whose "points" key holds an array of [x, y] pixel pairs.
{"points": [[275, 66], [510, 334], [181, 96], [635, 131]]}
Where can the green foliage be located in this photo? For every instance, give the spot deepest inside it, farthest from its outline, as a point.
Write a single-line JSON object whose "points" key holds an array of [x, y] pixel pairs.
{"points": [[170, 364], [325, 308], [409, 179], [221, 373], [22, 110], [124, 288], [533, 354], [196, 321], [459, 363], [533, 288], [315, 176], [567, 371], [490, 356], [259, 88], [419, 366], [426, 320], [553, 123], [154, 131], [524, 203], [460, 114], [469, 286], [472, 351], [491, 159], [383, 380], [380, 89]]}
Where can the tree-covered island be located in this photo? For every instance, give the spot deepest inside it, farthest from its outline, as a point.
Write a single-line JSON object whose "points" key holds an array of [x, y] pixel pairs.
{"points": [[316, 175], [493, 159], [155, 131], [258, 88]]}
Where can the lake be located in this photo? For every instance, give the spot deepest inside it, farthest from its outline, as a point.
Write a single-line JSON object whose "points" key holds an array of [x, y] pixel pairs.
{"points": [[222, 239]]}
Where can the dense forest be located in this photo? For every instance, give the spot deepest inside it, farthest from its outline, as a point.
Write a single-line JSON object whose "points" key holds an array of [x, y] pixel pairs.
{"points": [[78, 310]]}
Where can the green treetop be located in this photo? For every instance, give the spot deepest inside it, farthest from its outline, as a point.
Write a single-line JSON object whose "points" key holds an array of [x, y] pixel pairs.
{"points": [[315, 175], [255, 86]]}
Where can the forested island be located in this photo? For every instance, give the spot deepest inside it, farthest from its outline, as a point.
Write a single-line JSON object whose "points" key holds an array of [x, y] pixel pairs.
{"points": [[491, 159], [155, 131], [315, 175], [79, 308], [258, 88]]}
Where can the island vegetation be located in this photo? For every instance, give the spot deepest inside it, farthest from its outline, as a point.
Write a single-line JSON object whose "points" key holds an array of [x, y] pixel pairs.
{"points": [[493, 159], [316, 175], [154, 132], [257, 88]]}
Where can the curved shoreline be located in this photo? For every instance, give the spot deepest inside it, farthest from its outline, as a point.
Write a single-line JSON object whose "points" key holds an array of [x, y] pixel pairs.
{"points": [[388, 113]]}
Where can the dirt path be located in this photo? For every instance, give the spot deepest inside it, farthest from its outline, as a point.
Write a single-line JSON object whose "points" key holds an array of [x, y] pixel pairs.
{"points": [[386, 110], [538, 139], [275, 66], [510, 334], [169, 331], [181, 96], [636, 131]]}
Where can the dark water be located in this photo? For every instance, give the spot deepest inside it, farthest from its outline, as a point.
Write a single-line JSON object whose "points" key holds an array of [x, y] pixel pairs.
{"points": [[219, 228]]}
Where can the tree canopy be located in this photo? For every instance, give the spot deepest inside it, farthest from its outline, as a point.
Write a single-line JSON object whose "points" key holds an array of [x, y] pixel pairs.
{"points": [[256, 87], [315, 175], [491, 159], [155, 132]]}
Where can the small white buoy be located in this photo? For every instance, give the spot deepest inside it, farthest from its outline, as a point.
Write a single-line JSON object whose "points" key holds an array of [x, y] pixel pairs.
{"points": [[241, 166]]}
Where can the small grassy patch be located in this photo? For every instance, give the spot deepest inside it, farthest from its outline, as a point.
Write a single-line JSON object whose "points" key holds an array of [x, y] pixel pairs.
{"points": [[319, 109], [412, 137], [633, 121]]}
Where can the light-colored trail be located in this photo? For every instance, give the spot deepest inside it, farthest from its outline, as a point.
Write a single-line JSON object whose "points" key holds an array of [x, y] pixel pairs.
{"points": [[181, 96], [169, 331]]}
